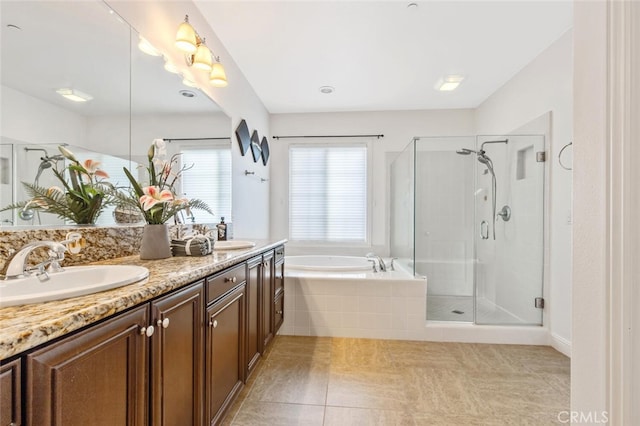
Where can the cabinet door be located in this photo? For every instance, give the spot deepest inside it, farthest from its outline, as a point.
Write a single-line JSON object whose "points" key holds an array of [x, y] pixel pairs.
{"points": [[96, 377], [268, 293], [225, 356], [177, 358], [10, 389], [254, 334], [278, 312]]}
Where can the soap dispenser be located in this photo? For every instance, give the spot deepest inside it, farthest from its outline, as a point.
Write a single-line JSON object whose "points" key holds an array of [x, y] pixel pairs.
{"points": [[222, 230]]}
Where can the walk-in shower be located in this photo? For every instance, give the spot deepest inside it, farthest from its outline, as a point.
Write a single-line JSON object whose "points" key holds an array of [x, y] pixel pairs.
{"points": [[467, 213], [46, 162]]}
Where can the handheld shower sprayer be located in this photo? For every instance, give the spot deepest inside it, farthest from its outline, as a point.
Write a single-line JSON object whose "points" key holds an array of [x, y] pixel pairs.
{"points": [[483, 158]]}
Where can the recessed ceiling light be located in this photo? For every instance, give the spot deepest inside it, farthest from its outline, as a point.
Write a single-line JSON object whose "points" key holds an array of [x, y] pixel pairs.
{"points": [[448, 83], [74, 95], [187, 93], [412, 5], [327, 89], [13, 27]]}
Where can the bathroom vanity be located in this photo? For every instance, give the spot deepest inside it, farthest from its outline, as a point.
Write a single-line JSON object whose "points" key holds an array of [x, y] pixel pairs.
{"points": [[175, 350]]}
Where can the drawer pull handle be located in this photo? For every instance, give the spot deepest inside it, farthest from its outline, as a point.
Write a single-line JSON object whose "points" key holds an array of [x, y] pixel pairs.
{"points": [[147, 331], [279, 312], [232, 280], [163, 323], [214, 323]]}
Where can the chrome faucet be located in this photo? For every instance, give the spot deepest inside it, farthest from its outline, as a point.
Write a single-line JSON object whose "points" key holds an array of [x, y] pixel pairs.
{"points": [[383, 267], [16, 266]]}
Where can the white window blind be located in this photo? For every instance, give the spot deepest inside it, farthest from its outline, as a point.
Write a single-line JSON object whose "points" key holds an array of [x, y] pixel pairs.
{"points": [[328, 193], [209, 180]]}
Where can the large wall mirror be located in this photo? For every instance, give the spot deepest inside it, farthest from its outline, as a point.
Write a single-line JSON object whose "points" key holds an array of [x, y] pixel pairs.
{"points": [[92, 52]]}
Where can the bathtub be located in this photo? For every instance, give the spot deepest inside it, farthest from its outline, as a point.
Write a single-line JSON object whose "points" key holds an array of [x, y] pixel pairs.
{"points": [[341, 296], [328, 263]]}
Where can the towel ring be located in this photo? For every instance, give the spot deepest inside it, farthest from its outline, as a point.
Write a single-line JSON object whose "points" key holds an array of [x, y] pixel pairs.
{"points": [[560, 156]]}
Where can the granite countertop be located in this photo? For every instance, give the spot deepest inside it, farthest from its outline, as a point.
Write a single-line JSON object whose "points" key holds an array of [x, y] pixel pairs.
{"points": [[26, 326]]}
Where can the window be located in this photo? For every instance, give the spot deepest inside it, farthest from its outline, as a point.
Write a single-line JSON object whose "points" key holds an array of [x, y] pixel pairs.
{"points": [[328, 193], [209, 179]]}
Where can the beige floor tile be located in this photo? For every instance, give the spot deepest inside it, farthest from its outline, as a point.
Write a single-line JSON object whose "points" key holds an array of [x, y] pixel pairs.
{"points": [[341, 416], [440, 391], [257, 413], [363, 387], [385, 382], [292, 379], [509, 393]]}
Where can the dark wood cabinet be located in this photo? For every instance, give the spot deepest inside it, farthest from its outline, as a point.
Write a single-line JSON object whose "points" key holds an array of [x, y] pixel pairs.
{"points": [[278, 292], [95, 377], [254, 314], [178, 360], [225, 355], [268, 293], [10, 393], [177, 366]]}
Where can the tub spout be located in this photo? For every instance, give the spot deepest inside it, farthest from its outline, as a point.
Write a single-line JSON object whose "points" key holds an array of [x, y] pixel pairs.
{"points": [[383, 267]]}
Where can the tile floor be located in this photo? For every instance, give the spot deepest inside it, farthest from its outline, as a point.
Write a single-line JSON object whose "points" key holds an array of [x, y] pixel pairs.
{"points": [[342, 381]]}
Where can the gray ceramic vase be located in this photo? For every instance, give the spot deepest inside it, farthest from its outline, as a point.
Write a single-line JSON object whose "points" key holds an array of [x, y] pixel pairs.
{"points": [[155, 242]]}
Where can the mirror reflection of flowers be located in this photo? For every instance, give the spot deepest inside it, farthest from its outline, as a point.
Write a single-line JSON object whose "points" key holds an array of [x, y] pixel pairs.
{"points": [[80, 200], [156, 198]]}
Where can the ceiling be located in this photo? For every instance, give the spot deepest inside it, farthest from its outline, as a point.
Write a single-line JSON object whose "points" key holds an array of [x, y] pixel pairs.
{"points": [[382, 55], [85, 46]]}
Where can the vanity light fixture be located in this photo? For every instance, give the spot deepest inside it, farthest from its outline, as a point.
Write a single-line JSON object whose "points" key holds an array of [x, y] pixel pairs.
{"points": [[168, 66], [189, 83], [147, 47], [448, 83], [218, 78], [74, 95], [198, 55]]}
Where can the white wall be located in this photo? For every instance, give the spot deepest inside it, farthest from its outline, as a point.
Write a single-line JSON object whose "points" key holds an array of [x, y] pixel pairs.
{"points": [[545, 85], [158, 22], [398, 127], [25, 118]]}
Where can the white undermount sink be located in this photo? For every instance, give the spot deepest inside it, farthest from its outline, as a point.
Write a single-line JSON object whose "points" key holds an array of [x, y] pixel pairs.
{"points": [[233, 245], [73, 281]]}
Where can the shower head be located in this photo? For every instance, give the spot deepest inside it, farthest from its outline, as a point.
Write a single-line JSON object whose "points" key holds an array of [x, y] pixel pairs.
{"points": [[466, 151], [505, 141]]}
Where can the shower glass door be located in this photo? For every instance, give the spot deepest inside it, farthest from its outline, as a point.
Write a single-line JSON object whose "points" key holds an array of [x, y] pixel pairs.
{"points": [[444, 225], [509, 229]]}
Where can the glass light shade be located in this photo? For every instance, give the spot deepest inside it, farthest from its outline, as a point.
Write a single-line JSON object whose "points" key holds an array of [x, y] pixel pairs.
{"points": [[202, 59], [186, 38], [218, 77], [147, 47]]}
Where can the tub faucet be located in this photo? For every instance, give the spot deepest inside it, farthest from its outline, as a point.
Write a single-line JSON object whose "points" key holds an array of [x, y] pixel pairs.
{"points": [[16, 265], [383, 267]]}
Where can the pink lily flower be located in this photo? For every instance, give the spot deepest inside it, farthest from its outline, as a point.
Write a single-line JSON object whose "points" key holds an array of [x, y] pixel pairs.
{"points": [[153, 195], [93, 168]]}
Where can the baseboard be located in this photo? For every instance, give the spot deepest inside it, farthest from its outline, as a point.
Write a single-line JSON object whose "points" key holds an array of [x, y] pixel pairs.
{"points": [[561, 344]]}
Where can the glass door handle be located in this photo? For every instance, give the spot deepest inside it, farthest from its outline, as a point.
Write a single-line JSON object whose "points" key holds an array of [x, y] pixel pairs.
{"points": [[484, 230]]}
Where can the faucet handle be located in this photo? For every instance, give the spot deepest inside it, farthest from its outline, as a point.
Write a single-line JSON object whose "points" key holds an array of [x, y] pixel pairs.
{"points": [[392, 266], [74, 242], [373, 263]]}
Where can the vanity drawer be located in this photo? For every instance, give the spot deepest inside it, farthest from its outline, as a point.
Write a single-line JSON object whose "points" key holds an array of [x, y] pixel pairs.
{"points": [[279, 253], [220, 284]]}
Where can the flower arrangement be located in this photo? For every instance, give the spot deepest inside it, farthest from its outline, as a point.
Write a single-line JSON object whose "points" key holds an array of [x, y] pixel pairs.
{"points": [[157, 199], [81, 200]]}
